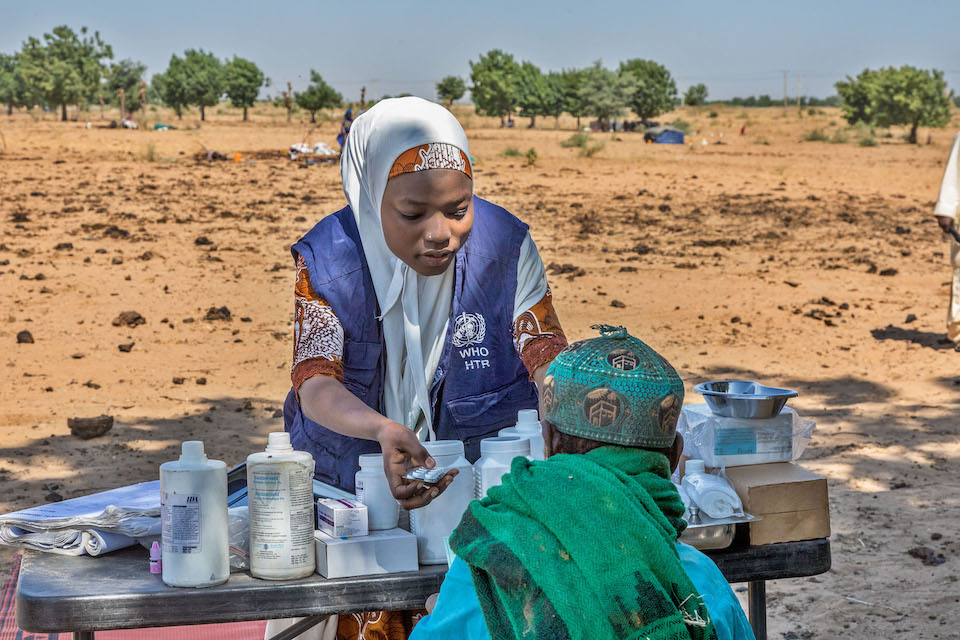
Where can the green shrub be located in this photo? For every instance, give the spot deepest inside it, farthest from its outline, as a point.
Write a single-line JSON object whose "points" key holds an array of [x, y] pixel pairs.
{"points": [[713, 114], [531, 156], [587, 150], [867, 141], [811, 111], [511, 152], [815, 135], [683, 125], [150, 153], [578, 139], [838, 137], [762, 140]]}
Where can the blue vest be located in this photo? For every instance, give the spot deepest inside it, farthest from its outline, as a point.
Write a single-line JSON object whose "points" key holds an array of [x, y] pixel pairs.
{"points": [[480, 383]]}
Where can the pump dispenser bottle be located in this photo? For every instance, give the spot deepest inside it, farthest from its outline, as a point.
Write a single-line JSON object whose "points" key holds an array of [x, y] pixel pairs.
{"points": [[193, 514], [280, 495]]}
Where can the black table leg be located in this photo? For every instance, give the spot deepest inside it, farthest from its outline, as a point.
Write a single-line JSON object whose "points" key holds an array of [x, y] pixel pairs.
{"points": [[83, 635], [757, 596], [301, 626]]}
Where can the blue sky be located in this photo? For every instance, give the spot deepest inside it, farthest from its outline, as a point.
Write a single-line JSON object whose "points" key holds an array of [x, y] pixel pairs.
{"points": [[736, 48]]}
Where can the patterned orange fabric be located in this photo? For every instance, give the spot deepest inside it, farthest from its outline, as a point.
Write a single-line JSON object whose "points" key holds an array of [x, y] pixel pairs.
{"points": [[537, 334], [438, 155], [317, 333], [378, 625]]}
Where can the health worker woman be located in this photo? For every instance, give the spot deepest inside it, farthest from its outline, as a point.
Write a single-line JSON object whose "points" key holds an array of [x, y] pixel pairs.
{"points": [[422, 311]]}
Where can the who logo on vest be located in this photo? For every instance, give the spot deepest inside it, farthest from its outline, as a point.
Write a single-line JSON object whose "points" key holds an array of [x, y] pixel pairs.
{"points": [[470, 329]]}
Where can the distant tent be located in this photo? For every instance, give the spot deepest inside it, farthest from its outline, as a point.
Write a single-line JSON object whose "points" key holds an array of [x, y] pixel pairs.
{"points": [[663, 135]]}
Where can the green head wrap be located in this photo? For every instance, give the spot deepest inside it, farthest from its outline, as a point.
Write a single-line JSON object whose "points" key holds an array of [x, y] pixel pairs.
{"points": [[613, 389]]}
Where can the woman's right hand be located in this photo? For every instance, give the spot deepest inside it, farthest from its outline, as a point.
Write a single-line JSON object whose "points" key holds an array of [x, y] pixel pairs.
{"points": [[403, 452]]}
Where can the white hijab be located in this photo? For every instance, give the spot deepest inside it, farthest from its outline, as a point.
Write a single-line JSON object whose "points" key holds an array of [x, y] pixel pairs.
{"points": [[414, 309]]}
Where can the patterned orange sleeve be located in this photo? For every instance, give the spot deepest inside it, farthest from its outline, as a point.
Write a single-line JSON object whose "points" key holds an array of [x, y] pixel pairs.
{"points": [[317, 333], [537, 334]]}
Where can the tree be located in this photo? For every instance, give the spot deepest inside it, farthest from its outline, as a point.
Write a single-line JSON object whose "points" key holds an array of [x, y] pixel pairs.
{"points": [[696, 95], [126, 75], [173, 85], [319, 95], [13, 90], [655, 91], [605, 93], [285, 100], [243, 80], [65, 69], [494, 77], [205, 79], [533, 92], [450, 89], [574, 102], [890, 96], [556, 97]]}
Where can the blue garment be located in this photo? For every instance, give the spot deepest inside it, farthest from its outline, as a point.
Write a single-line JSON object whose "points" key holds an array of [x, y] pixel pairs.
{"points": [[458, 616], [480, 382]]}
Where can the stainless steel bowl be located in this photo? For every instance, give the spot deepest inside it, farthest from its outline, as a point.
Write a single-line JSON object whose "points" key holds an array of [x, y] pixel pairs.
{"points": [[710, 536], [744, 399]]}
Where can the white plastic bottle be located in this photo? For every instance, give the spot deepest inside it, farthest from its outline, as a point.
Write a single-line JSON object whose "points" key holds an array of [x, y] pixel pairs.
{"points": [[434, 522], [496, 455], [280, 495], [528, 426], [373, 490], [193, 514]]}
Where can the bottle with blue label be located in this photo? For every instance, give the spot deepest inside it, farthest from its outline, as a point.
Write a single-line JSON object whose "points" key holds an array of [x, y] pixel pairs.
{"points": [[280, 497]]}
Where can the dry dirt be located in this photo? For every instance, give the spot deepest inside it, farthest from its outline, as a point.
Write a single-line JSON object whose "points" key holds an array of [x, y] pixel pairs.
{"points": [[809, 265]]}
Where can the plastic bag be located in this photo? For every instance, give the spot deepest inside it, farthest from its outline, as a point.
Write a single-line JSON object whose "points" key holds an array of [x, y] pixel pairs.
{"points": [[238, 535], [732, 442], [712, 494]]}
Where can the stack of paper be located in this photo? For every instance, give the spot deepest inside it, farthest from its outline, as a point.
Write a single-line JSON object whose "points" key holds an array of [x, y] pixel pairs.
{"points": [[93, 524]]}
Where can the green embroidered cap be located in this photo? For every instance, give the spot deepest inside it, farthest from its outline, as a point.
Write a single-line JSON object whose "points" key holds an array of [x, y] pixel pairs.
{"points": [[614, 389]]}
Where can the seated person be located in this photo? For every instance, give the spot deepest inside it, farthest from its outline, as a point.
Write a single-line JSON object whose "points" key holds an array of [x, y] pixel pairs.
{"points": [[584, 544]]}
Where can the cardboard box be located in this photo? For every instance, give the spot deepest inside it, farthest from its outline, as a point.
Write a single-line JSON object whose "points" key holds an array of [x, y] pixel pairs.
{"points": [[791, 500], [339, 517], [388, 551]]}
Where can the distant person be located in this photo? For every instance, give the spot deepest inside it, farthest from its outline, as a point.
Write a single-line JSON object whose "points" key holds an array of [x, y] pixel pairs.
{"points": [[584, 544], [743, 130], [345, 128], [946, 212]]}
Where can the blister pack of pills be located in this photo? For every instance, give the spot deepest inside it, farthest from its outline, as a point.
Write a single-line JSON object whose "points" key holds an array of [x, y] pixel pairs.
{"points": [[430, 476]]}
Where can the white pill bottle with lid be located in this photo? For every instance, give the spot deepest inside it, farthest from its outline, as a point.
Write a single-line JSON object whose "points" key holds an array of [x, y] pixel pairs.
{"points": [[280, 498], [193, 515], [436, 521], [528, 426], [496, 456], [373, 490]]}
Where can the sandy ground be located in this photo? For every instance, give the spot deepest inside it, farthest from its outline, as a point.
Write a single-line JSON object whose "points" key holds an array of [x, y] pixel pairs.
{"points": [[809, 265]]}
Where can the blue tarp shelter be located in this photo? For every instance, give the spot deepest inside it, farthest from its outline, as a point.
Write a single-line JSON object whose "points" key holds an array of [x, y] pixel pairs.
{"points": [[664, 135]]}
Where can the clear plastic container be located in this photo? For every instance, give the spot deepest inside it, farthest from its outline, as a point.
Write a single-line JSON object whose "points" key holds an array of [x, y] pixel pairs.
{"points": [[193, 514], [280, 498], [496, 455], [373, 490], [434, 522], [528, 426]]}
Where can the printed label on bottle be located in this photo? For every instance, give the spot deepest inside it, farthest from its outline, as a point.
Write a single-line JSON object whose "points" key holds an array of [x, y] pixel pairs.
{"points": [[359, 487], [281, 515], [180, 523]]}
